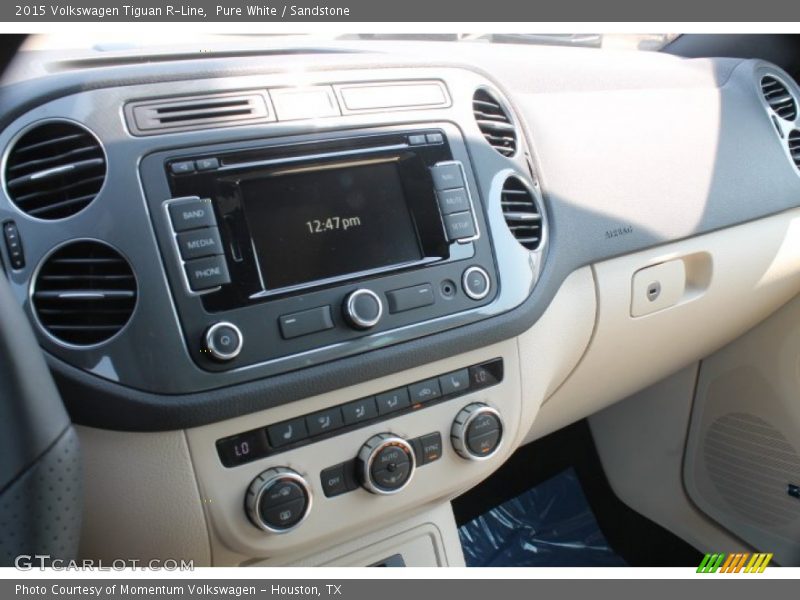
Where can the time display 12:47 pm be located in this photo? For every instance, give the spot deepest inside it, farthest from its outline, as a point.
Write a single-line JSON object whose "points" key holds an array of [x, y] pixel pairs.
{"points": [[333, 224]]}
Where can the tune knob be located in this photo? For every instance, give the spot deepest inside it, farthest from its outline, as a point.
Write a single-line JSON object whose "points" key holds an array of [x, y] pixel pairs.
{"points": [[385, 464], [477, 431], [278, 500], [363, 308]]}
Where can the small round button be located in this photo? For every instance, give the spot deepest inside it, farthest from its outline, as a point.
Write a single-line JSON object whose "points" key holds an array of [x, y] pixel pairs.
{"points": [[385, 464], [223, 341], [363, 309], [476, 283], [278, 500], [477, 431]]}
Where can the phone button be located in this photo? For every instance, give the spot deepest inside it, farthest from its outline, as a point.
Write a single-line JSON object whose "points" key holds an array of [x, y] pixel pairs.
{"points": [[288, 432], [360, 410], [324, 421]]}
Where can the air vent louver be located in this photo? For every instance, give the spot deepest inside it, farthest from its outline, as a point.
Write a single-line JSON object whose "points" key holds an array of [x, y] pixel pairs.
{"points": [[779, 98], [521, 213], [85, 293], [794, 147], [494, 123], [54, 170], [197, 112]]}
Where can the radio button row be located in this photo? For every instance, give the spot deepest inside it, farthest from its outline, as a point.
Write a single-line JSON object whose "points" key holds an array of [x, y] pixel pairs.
{"points": [[199, 243], [207, 273], [410, 298], [453, 201], [459, 226], [305, 322], [191, 213], [447, 176]]}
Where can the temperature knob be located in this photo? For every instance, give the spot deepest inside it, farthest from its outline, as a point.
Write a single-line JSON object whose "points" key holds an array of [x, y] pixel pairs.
{"points": [[278, 500], [385, 464], [477, 431]]}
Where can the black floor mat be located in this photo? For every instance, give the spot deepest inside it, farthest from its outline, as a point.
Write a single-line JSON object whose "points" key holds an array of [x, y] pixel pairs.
{"points": [[550, 525], [639, 541]]}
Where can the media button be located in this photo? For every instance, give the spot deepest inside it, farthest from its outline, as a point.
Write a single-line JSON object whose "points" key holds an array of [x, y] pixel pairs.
{"points": [[287, 432], [207, 273], [416, 140], [199, 243]]}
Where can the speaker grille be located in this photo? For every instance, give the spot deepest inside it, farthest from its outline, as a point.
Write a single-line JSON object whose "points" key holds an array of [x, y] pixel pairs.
{"points": [[751, 464]]}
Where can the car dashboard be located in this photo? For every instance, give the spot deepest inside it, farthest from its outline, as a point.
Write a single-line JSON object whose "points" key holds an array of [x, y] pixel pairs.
{"points": [[298, 302]]}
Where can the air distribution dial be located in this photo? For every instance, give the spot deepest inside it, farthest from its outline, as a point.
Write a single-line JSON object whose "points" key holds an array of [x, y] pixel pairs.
{"points": [[477, 431], [278, 500], [385, 464]]}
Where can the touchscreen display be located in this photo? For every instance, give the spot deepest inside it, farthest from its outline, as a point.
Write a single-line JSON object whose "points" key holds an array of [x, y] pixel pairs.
{"points": [[308, 224]]}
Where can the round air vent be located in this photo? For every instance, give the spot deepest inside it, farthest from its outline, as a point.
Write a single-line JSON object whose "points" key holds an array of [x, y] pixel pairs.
{"points": [[494, 123], [521, 213], [54, 170], [779, 98], [84, 293], [794, 146]]}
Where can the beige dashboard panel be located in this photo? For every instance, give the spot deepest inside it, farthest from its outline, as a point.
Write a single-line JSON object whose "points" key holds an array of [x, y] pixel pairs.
{"points": [[734, 278]]}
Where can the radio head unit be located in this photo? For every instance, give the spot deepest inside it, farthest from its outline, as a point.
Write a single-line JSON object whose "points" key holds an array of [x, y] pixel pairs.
{"points": [[294, 249]]}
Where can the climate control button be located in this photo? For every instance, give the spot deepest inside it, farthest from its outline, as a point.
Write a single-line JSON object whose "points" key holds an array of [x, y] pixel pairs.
{"points": [[278, 500], [385, 464], [477, 432]]}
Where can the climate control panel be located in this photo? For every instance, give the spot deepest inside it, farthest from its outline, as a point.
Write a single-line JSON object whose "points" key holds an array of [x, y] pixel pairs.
{"points": [[279, 499]]}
